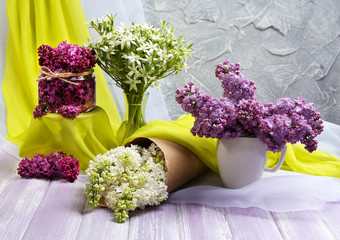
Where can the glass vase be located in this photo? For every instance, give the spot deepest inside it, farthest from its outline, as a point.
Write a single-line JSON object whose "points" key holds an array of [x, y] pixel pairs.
{"points": [[77, 91], [134, 116]]}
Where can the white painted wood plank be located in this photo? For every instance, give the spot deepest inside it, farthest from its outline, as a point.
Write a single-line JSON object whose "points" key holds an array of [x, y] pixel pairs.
{"points": [[99, 223], [59, 213], [331, 217], [303, 225], [8, 168], [252, 223], [9, 148], [18, 203], [202, 222], [154, 222]]}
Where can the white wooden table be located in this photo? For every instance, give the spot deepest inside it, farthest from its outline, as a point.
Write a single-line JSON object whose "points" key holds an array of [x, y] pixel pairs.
{"points": [[57, 209]]}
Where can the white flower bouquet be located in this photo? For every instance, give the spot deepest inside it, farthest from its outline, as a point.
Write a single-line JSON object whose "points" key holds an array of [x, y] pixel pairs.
{"points": [[140, 174], [127, 178]]}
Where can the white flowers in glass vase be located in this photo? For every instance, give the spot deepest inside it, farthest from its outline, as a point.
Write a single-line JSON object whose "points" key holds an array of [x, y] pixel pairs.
{"points": [[136, 56]]}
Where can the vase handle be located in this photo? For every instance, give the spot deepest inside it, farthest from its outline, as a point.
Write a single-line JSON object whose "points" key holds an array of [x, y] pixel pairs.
{"points": [[279, 163]]}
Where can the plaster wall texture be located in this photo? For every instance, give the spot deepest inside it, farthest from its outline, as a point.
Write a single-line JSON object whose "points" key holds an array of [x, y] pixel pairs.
{"points": [[289, 48]]}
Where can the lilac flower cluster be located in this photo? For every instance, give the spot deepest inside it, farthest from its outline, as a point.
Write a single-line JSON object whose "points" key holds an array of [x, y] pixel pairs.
{"points": [[52, 165], [39, 111], [239, 114], [69, 111], [235, 86], [66, 58]]}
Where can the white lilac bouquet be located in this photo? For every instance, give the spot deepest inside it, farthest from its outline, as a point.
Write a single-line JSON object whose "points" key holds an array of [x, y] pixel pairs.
{"points": [[239, 114], [136, 56], [127, 178]]}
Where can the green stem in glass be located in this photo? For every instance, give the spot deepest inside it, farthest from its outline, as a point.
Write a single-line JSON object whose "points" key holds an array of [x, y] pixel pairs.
{"points": [[134, 116]]}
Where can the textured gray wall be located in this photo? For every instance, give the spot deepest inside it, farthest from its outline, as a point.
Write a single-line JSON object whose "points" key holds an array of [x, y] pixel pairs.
{"points": [[288, 47]]}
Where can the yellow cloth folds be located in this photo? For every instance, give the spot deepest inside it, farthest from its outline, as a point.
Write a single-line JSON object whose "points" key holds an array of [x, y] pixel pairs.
{"points": [[297, 158], [179, 132], [31, 24], [84, 137]]}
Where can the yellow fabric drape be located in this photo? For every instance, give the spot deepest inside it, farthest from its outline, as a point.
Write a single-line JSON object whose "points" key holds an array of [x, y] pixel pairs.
{"points": [[297, 158], [31, 24], [84, 137]]}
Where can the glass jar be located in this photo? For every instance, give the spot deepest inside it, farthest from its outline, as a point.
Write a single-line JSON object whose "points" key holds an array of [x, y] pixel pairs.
{"points": [[77, 91]]}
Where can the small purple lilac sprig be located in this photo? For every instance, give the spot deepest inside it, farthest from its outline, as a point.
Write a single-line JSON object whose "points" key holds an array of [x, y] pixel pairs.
{"points": [[39, 111], [235, 86], [239, 114], [52, 165], [69, 111]]}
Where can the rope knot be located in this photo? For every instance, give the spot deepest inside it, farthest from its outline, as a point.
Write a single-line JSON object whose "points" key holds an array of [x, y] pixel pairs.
{"points": [[48, 73]]}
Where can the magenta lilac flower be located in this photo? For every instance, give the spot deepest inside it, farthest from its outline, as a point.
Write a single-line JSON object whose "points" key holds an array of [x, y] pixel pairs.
{"points": [[238, 113], [66, 58], [52, 165], [39, 112], [68, 168], [69, 111]]}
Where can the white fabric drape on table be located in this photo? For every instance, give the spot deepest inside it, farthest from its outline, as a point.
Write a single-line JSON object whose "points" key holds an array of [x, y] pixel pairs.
{"points": [[3, 41], [282, 191]]}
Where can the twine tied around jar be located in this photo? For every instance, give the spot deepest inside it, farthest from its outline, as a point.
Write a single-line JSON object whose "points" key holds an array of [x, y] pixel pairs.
{"points": [[50, 74]]}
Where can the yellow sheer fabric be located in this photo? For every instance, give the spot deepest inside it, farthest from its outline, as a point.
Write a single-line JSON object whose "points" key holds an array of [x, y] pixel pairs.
{"points": [[84, 137], [297, 158], [31, 24]]}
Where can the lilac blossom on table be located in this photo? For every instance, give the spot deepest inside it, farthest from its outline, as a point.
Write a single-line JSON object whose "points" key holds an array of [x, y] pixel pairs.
{"points": [[239, 114], [52, 165]]}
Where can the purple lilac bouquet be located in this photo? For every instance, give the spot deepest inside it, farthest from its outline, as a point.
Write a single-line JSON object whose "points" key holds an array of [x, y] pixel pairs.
{"points": [[239, 114], [66, 83], [52, 165]]}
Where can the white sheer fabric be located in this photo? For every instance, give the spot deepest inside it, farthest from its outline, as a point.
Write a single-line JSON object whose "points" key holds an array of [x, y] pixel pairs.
{"points": [[283, 191], [3, 41]]}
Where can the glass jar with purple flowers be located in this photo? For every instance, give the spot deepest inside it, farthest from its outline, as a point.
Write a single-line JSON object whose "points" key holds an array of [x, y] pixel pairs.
{"points": [[66, 84], [54, 94]]}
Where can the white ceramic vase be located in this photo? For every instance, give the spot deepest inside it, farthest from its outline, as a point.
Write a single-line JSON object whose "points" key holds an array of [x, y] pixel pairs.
{"points": [[242, 161]]}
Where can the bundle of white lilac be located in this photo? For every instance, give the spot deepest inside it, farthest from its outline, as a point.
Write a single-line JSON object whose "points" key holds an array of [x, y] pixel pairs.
{"points": [[127, 178]]}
